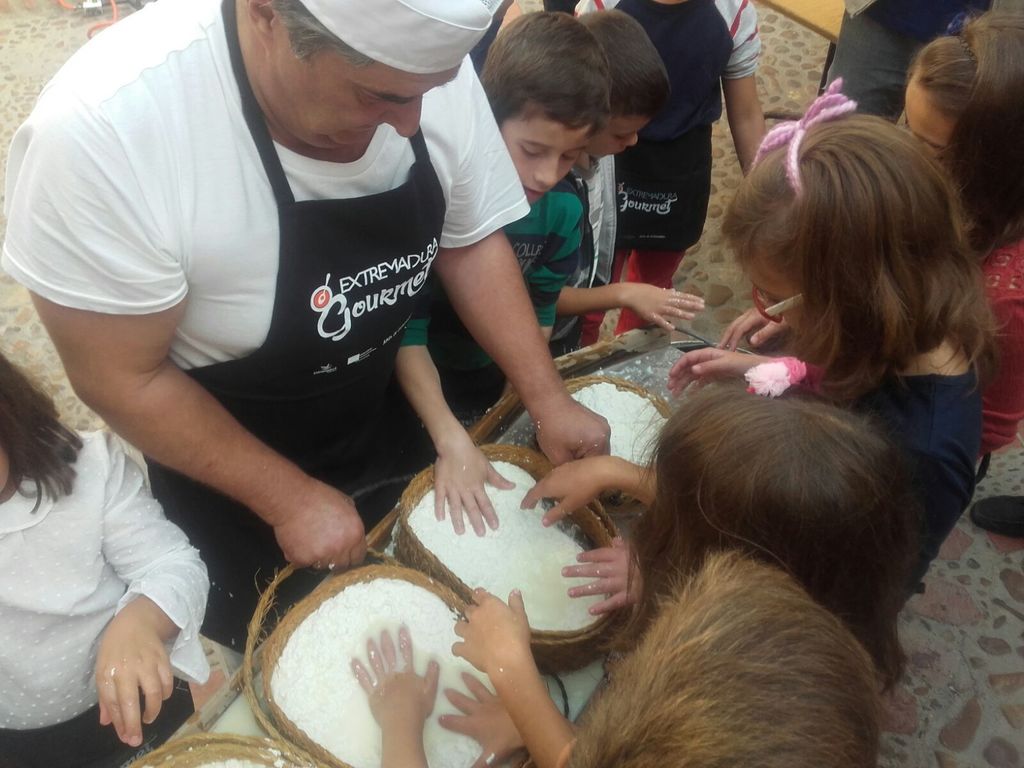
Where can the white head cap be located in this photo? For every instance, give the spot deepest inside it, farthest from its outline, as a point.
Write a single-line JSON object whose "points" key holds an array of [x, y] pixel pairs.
{"points": [[418, 36]]}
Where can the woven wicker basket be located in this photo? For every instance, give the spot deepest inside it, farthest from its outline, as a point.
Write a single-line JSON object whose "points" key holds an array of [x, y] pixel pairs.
{"points": [[618, 500], [582, 382], [554, 651], [274, 720], [207, 748]]}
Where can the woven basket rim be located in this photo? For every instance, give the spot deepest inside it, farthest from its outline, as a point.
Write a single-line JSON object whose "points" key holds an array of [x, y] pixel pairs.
{"points": [[623, 385], [538, 466], [327, 589], [202, 748]]}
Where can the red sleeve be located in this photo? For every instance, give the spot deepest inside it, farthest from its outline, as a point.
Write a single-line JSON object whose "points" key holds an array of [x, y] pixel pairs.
{"points": [[1003, 399]]}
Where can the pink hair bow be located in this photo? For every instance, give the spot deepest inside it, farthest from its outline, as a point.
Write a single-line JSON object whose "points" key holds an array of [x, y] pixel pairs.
{"points": [[830, 105], [774, 378]]}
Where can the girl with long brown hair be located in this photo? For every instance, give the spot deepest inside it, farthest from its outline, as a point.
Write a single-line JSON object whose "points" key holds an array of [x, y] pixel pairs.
{"points": [[965, 101], [739, 667], [726, 648], [796, 484], [94, 581], [850, 231]]}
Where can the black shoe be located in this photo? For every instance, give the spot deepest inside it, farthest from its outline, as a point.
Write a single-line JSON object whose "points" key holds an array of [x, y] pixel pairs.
{"points": [[1000, 514]]}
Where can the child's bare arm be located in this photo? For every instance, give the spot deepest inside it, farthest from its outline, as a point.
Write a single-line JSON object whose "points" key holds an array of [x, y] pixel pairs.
{"points": [[746, 118], [461, 470], [131, 657], [615, 576], [399, 699], [655, 305], [484, 719], [163, 604], [579, 482], [496, 640]]}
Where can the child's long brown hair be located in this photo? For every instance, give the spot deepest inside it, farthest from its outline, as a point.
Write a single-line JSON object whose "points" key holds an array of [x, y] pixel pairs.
{"points": [[740, 668], [976, 79], [877, 247], [39, 448], [803, 485]]}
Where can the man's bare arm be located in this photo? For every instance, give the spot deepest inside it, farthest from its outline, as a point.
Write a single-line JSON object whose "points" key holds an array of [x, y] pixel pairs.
{"points": [[486, 288], [119, 366]]}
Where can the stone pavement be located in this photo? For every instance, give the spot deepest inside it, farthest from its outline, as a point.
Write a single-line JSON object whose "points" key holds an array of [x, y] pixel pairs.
{"points": [[962, 702]]}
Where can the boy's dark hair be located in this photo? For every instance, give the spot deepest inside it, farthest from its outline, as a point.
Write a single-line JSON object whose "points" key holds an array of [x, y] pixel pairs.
{"points": [[638, 83], [793, 482], [977, 80], [38, 446], [551, 64], [740, 668]]}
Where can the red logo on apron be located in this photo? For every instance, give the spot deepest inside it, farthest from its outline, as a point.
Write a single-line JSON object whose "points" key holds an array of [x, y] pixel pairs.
{"points": [[321, 297]]}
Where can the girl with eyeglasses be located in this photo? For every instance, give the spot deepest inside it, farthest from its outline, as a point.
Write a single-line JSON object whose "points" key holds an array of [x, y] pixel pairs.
{"points": [[965, 101], [850, 231]]}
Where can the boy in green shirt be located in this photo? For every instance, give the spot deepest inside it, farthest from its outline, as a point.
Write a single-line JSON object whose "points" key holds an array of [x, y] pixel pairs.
{"points": [[546, 78]]}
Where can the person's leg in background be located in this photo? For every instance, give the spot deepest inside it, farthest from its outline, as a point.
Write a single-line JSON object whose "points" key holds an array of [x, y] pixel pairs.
{"points": [[651, 267], [1003, 515], [561, 6], [590, 324], [590, 328], [873, 63]]}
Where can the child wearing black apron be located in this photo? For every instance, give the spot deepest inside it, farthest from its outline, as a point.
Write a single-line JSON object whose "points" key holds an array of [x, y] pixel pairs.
{"points": [[664, 182]]}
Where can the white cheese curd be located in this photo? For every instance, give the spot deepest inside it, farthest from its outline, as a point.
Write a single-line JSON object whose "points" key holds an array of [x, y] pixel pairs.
{"points": [[233, 764], [314, 686], [634, 421], [521, 554]]}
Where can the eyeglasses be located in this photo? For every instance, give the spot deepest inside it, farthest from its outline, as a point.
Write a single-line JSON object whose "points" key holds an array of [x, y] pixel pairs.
{"points": [[773, 312]]}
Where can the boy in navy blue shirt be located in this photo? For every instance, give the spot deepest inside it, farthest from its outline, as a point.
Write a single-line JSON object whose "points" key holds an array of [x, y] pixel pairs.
{"points": [[709, 47], [638, 89]]}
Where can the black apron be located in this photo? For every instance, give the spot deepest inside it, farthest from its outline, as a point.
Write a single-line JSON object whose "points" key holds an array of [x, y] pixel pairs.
{"points": [[663, 188], [320, 389]]}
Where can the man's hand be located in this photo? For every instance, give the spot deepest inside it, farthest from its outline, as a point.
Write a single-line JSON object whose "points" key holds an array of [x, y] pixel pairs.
{"points": [[131, 657], [486, 289], [321, 529], [460, 474], [484, 719], [610, 567], [495, 636], [569, 431]]}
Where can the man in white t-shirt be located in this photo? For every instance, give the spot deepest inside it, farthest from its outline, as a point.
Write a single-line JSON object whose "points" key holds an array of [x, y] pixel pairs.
{"points": [[225, 214]]}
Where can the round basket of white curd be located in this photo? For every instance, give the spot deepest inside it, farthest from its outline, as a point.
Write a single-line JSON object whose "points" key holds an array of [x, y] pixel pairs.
{"points": [[314, 699], [634, 414], [520, 554], [218, 750]]}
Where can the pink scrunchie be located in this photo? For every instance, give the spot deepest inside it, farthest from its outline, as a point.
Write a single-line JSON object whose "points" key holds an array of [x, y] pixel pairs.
{"points": [[774, 378]]}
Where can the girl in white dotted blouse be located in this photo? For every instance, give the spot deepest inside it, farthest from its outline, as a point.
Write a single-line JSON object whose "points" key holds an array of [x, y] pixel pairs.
{"points": [[100, 596]]}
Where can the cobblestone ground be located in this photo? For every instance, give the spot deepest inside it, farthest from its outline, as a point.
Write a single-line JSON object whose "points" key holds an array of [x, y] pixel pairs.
{"points": [[962, 702]]}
